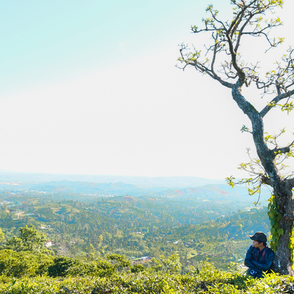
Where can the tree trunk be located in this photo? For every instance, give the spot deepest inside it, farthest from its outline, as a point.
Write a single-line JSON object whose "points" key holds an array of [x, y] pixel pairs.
{"points": [[282, 262], [282, 188]]}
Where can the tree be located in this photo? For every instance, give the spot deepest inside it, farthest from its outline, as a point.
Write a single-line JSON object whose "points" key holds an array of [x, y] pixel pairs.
{"points": [[2, 236], [223, 62], [30, 240]]}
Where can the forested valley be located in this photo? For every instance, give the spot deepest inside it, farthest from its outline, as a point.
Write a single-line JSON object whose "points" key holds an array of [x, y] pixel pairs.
{"points": [[181, 240], [135, 226]]}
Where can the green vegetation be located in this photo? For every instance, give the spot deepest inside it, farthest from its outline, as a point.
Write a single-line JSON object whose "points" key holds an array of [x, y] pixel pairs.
{"points": [[118, 275], [128, 245], [125, 245], [135, 227]]}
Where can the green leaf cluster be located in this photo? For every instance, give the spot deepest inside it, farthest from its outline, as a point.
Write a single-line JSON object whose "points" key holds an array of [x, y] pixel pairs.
{"points": [[275, 217]]}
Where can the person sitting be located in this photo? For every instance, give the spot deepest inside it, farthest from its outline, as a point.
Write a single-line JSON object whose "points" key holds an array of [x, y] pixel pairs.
{"points": [[259, 257]]}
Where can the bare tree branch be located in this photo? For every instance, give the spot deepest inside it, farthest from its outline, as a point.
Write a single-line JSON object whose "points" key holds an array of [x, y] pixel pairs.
{"points": [[274, 102]]}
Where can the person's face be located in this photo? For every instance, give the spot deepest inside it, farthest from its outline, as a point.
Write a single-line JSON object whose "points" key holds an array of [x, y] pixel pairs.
{"points": [[256, 244]]}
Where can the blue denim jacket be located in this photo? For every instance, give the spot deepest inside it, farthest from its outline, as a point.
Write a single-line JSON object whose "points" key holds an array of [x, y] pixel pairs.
{"points": [[259, 261]]}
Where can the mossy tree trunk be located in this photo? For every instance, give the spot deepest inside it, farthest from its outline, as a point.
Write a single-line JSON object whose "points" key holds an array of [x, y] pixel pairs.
{"points": [[283, 261]]}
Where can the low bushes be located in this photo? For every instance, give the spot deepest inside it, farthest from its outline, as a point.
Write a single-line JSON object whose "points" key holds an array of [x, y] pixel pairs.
{"points": [[205, 279]]}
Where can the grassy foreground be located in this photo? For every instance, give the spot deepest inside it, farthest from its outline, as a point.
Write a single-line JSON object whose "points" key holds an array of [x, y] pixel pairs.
{"points": [[207, 279]]}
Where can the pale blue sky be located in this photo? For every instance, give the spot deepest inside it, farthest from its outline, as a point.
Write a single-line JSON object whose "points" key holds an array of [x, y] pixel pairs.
{"points": [[48, 40], [90, 87]]}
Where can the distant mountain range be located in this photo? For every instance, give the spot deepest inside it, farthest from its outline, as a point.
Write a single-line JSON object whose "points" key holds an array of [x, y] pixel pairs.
{"points": [[184, 188], [217, 193], [161, 182]]}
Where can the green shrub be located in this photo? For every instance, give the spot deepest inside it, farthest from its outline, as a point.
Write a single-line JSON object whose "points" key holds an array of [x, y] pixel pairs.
{"points": [[136, 268], [60, 266], [99, 268], [25, 263]]}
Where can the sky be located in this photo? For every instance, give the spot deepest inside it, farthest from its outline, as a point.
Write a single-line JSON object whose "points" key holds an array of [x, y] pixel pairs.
{"points": [[91, 87]]}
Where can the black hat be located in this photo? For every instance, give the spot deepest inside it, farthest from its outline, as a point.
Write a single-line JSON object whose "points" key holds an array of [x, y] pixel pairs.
{"points": [[259, 236]]}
